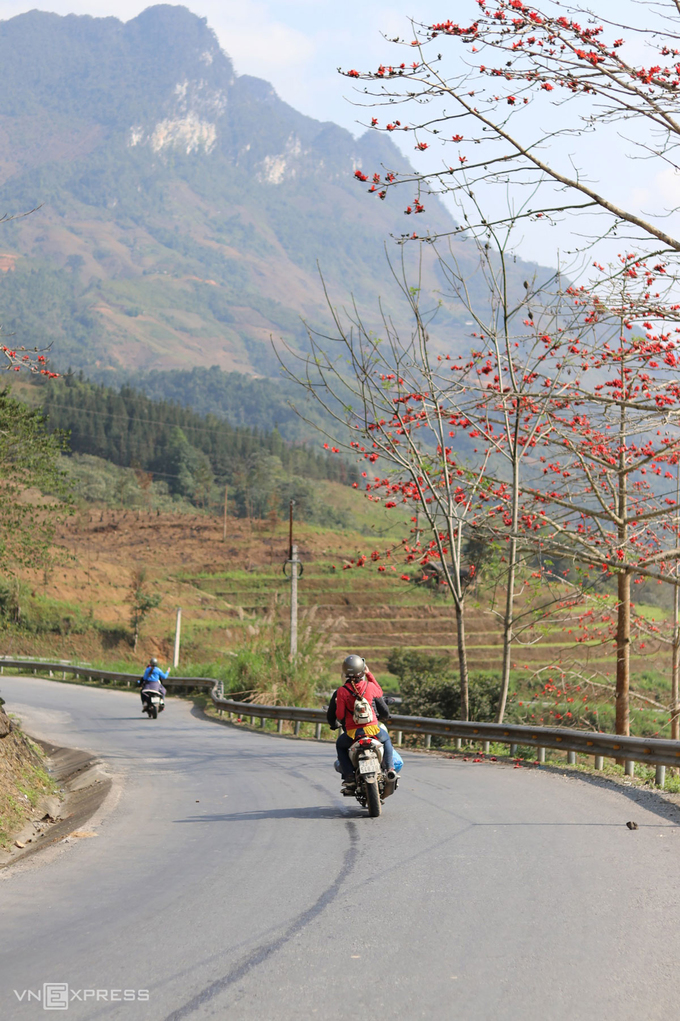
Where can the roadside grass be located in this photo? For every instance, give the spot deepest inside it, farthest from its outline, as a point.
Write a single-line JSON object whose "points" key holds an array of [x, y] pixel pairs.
{"points": [[23, 781]]}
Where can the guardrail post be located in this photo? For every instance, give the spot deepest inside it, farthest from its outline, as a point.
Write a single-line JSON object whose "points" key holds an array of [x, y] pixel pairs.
{"points": [[279, 726], [486, 747], [428, 740], [629, 767], [297, 728], [399, 736], [178, 630], [541, 755], [262, 722], [317, 732], [251, 720], [571, 758], [513, 751], [459, 743], [660, 779], [599, 762]]}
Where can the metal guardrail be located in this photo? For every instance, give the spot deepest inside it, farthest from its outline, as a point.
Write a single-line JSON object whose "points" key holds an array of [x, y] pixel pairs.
{"points": [[652, 751], [82, 670]]}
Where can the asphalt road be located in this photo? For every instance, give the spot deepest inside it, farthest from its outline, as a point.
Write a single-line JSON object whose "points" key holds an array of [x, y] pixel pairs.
{"points": [[231, 881]]}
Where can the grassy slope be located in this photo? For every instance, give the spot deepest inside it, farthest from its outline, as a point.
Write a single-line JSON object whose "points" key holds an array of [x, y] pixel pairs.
{"points": [[23, 781]]}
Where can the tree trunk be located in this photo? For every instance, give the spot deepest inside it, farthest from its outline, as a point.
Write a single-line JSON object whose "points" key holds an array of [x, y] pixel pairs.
{"points": [[675, 709], [462, 663], [623, 655], [508, 619]]}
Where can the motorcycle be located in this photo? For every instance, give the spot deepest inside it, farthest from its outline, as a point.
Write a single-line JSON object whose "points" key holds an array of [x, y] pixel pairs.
{"points": [[372, 783], [153, 704]]}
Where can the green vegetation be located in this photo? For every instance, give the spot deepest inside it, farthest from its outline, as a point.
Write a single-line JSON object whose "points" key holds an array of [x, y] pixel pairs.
{"points": [[246, 401], [176, 452], [429, 687], [29, 466], [22, 611], [142, 602], [23, 780]]}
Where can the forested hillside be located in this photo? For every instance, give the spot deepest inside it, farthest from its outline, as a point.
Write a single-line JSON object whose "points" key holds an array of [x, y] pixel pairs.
{"points": [[251, 401], [190, 455]]}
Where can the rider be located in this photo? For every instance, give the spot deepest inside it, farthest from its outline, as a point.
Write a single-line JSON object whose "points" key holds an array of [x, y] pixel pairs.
{"points": [[359, 681], [151, 681]]}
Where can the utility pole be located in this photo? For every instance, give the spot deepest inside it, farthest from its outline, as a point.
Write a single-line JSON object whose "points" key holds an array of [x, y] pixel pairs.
{"points": [[224, 536], [293, 600], [178, 628], [290, 530], [296, 570]]}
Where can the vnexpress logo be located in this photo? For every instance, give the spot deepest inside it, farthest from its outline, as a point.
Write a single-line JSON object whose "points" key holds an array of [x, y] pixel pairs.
{"points": [[55, 996], [58, 995]]}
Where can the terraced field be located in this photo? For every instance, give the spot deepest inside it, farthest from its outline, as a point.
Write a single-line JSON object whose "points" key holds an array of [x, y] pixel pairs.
{"points": [[230, 591], [374, 613]]}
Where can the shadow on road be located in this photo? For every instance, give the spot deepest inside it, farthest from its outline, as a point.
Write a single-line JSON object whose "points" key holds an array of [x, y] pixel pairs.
{"points": [[652, 800], [316, 812]]}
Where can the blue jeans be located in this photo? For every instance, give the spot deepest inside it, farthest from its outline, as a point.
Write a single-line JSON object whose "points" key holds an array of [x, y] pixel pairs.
{"points": [[345, 742]]}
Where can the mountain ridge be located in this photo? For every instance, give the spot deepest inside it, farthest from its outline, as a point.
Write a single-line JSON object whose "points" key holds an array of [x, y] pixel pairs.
{"points": [[186, 210]]}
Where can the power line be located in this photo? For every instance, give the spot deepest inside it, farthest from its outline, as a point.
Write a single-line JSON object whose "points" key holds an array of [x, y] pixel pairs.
{"points": [[237, 429], [146, 421]]}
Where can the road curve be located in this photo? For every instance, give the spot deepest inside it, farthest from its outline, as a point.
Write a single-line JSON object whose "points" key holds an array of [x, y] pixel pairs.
{"points": [[233, 882]]}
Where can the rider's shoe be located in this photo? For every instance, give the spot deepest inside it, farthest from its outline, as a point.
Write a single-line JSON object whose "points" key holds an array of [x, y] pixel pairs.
{"points": [[348, 786]]}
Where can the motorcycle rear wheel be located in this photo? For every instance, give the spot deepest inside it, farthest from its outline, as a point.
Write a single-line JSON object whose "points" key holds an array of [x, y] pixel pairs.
{"points": [[373, 799], [153, 712]]}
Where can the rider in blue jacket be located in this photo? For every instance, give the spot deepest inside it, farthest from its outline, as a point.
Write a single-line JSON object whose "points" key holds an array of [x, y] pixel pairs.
{"points": [[151, 681]]}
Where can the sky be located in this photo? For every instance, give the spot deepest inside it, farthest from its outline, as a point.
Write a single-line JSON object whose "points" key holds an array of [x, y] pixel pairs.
{"points": [[297, 45]]}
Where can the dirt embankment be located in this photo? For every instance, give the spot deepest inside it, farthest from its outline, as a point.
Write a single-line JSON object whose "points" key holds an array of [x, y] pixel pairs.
{"points": [[26, 789], [47, 793]]}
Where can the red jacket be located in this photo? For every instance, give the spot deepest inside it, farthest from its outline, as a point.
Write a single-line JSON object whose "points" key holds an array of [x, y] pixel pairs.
{"points": [[368, 687]]}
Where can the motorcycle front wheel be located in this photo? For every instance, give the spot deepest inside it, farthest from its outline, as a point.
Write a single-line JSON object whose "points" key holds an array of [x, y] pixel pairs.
{"points": [[373, 799]]}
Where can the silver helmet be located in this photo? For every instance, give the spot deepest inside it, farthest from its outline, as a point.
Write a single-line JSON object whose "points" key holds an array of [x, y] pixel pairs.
{"points": [[354, 668], [153, 661]]}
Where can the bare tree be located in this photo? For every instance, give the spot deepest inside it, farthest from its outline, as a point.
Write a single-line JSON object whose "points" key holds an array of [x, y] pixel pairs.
{"points": [[510, 98], [392, 405]]}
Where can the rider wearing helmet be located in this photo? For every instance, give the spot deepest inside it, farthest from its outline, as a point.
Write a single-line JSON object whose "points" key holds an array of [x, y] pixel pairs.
{"points": [[151, 681], [358, 682]]}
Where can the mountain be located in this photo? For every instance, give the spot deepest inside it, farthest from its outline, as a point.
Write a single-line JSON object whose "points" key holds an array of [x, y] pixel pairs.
{"points": [[185, 211]]}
